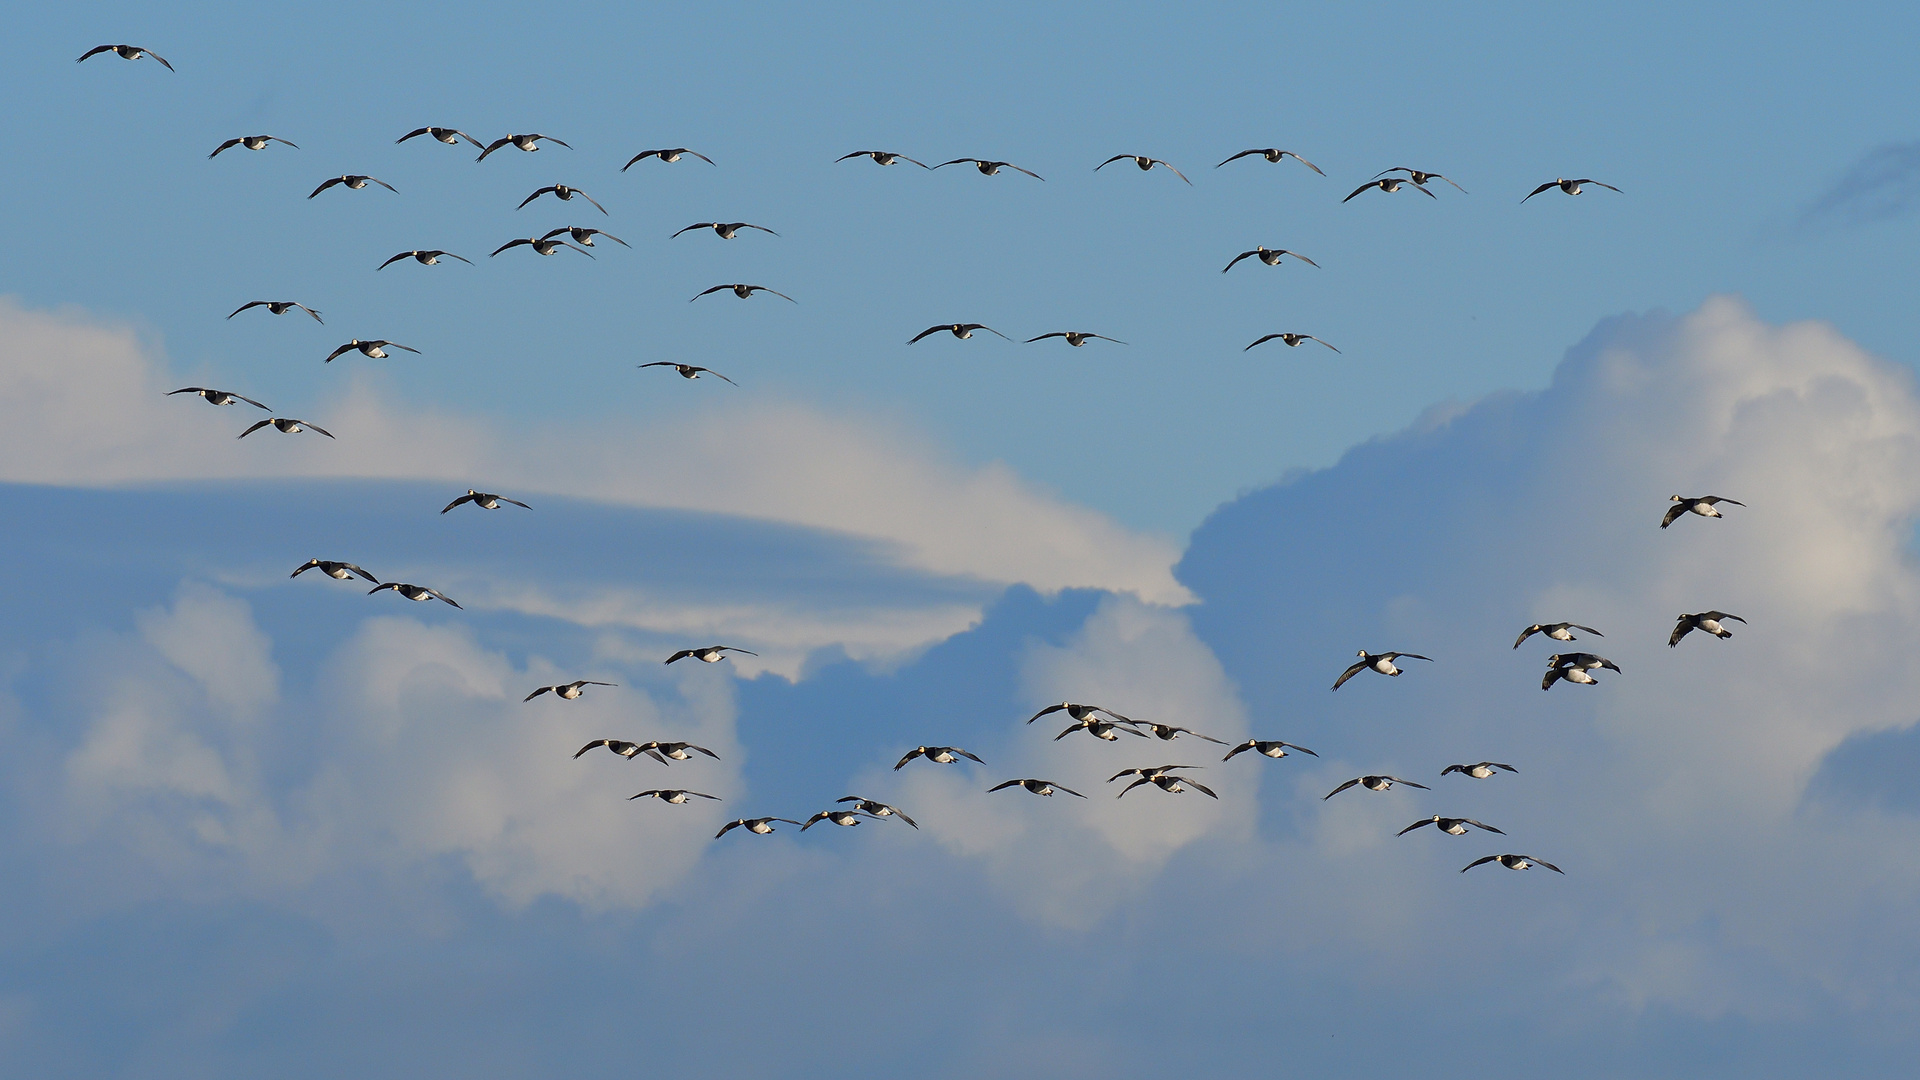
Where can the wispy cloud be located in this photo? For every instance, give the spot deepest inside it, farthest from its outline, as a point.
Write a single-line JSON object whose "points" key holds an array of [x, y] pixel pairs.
{"points": [[1883, 184]]}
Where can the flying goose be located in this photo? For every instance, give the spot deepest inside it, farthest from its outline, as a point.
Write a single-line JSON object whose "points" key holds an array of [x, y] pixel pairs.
{"points": [[251, 142], [450, 136], [1169, 783], [939, 755], [126, 52], [285, 426], [708, 655], [743, 292], [216, 397], [1513, 862], [541, 244], [1419, 178], [1170, 732], [1704, 506], [1380, 662], [1479, 771], [354, 182], [529, 143], [278, 307], [989, 168], [412, 592], [1273, 156], [339, 571], [1558, 631], [376, 350], [1373, 783], [1099, 727], [582, 235], [1077, 712], [1389, 184], [567, 691], [880, 157], [725, 230], [1075, 338], [668, 156], [1291, 341], [1156, 770], [1271, 748], [877, 809], [676, 796], [1270, 256], [1706, 620], [424, 258], [1573, 667], [485, 501], [563, 193], [689, 371], [622, 747], [761, 825], [848, 818], [1038, 787], [1452, 826], [1146, 164], [962, 331], [677, 751], [1571, 187]]}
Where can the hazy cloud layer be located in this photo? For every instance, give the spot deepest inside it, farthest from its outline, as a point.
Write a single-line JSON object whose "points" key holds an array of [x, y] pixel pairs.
{"points": [[1884, 183]]}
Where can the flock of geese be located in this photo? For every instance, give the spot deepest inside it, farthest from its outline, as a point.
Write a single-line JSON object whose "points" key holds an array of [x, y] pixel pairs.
{"points": [[1096, 721]]}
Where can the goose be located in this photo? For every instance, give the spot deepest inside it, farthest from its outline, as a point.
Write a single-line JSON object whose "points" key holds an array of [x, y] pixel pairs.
{"points": [[725, 230], [1706, 620], [1077, 712], [1146, 164], [485, 500], [582, 235], [668, 156], [376, 350], [1099, 727], [416, 593], [962, 331], [354, 182], [1291, 341], [939, 755], [1420, 178], [709, 655], [1273, 156], [1270, 256], [1272, 748], [848, 818], [529, 143], [1573, 667], [339, 571], [1170, 732], [563, 193], [216, 397], [1389, 185], [877, 809], [1513, 862], [743, 292], [1156, 770], [689, 371], [540, 244], [1169, 783], [279, 307], [1571, 187], [1373, 783], [1075, 338], [1452, 826], [1558, 631], [567, 691], [424, 258], [676, 796], [1380, 662], [1038, 787], [989, 168], [760, 825], [622, 747], [677, 751], [125, 52], [1704, 506], [1479, 770], [285, 426], [251, 142], [450, 136], [880, 157]]}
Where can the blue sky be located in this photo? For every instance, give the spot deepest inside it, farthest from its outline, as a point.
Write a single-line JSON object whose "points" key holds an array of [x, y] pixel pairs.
{"points": [[261, 825]]}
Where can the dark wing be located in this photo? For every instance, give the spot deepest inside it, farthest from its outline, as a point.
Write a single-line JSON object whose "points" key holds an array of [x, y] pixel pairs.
{"points": [[435, 593], [762, 228], [536, 694], [1236, 259], [1716, 499], [637, 158], [468, 497], [656, 363], [1680, 630], [530, 198], [395, 259], [248, 400], [958, 161], [1209, 738], [715, 289], [690, 228], [1411, 656], [1588, 629], [248, 304], [1173, 170], [911, 754], [1340, 789], [253, 429], [597, 742], [304, 567], [1531, 859], [721, 377], [357, 570], [1303, 161], [966, 755], [230, 143], [611, 237], [1361, 188], [384, 184], [1130, 787], [776, 292], [1453, 768], [1111, 160], [1048, 709], [1409, 783], [325, 186], [1596, 183], [95, 51], [1244, 153], [1422, 823], [590, 199], [1069, 731], [681, 655], [513, 243], [731, 824], [1006, 784], [1250, 744], [1201, 788], [1722, 616], [1302, 749], [932, 330], [522, 506], [1484, 858], [1527, 633], [451, 255], [1350, 673], [492, 146], [1552, 676], [1311, 263], [1530, 195], [1263, 340], [1483, 825], [695, 153], [819, 817], [1673, 514], [414, 133], [169, 67], [991, 330], [1075, 794]]}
